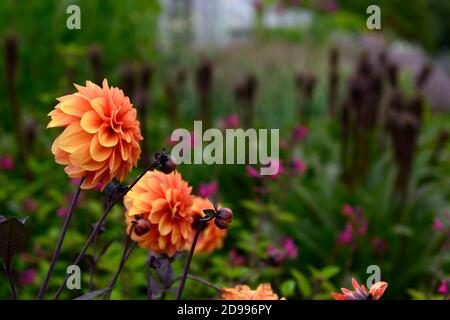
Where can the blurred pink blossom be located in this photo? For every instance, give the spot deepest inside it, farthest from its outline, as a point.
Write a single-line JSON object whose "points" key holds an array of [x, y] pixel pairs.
{"points": [[379, 245], [252, 172], [7, 163], [205, 190], [75, 181], [230, 122], [236, 259], [29, 205], [347, 210], [61, 212], [346, 236], [299, 133], [437, 224], [444, 288], [27, 277], [290, 248], [298, 166]]}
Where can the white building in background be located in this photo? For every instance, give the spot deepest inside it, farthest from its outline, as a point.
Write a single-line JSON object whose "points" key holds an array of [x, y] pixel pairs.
{"points": [[205, 23]]}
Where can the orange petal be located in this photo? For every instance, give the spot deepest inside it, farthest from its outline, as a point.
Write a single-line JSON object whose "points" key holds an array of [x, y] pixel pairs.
{"points": [[73, 137], [97, 151], [378, 289], [91, 122], [107, 137], [99, 105], [165, 225], [74, 106]]}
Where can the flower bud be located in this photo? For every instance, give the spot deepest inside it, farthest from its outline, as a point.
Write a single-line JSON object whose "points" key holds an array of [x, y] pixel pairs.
{"points": [[141, 226], [167, 164], [223, 218]]}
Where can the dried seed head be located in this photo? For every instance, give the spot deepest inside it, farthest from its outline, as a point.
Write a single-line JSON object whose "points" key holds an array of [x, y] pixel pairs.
{"points": [[223, 218], [141, 226], [167, 164]]}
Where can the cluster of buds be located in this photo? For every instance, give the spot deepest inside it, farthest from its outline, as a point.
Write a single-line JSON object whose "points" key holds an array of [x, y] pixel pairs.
{"points": [[204, 81], [244, 93]]}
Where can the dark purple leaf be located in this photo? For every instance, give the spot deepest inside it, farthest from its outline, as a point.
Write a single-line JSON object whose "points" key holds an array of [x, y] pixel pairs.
{"points": [[92, 294], [14, 235], [209, 212]]}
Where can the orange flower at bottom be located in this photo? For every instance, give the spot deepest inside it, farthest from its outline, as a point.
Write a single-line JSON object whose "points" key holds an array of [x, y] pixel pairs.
{"points": [[243, 292], [361, 293], [164, 202], [211, 237]]}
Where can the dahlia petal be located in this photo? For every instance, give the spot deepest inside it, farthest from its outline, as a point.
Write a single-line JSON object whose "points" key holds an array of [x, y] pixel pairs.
{"points": [[73, 137], [355, 284], [97, 151], [378, 289], [338, 296], [74, 172], [107, 137], [165, 225], [91, 122], [74, 107], [114, 161], [99, 105]]}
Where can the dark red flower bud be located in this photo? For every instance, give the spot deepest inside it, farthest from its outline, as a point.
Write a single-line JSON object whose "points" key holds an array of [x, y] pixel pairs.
{"points": [[223, 218], [141, 226], [167, 164]]}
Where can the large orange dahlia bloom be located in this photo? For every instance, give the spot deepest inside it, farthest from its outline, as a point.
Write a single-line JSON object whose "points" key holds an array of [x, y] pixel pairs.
{"points": [[100, 139], [211, 237], [165, 201], [243, 292]]}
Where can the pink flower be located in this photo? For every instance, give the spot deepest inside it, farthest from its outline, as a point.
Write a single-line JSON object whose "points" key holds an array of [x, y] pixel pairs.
{"points": [[299, 133], [61, 212], [75, 181], [279, 169], [290, 248], [298, 166], [346, 236], [236, 259], [230, 122], [252, 172], [27, 277], [444, 287], [29, 205], [437, 224], [7, 163], [347, 210], [205, 190]]}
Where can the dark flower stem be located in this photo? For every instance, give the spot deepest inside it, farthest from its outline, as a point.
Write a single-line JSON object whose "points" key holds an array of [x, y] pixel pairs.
{"points": [[60, 241], [126, 253], [189, 259], [11, 283], [83, 251]]}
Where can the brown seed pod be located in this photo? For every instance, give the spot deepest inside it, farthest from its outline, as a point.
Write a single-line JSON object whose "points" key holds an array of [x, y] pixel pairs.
{"points": [[141, 226], [223, 218]]}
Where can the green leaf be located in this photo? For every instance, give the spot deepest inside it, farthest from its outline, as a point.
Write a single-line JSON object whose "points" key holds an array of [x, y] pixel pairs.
{"points": [[302, 283], [288, 288], [329, 272]]}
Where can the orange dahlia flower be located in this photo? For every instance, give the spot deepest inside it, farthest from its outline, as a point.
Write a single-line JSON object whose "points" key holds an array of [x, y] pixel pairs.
{"points": [[211, 237], [165, 201], [100, 139], [361, 293], [243, 292]]}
